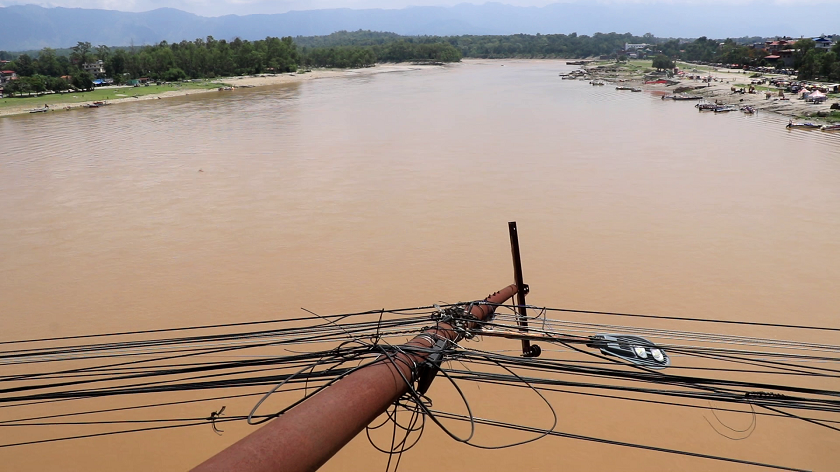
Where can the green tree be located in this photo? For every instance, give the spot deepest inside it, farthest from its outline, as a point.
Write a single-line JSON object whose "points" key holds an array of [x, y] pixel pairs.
{"points": [[37, 83], [115, 65], [802, 48], [81, 52], [662, 62], [103, 52], [809, 65], [57, 84], [23, 65], [174, 74], [829, 60], [82, 80], [13, 87], [48, 63]]}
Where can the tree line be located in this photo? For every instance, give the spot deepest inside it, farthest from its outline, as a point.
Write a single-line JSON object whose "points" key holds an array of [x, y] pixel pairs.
{"points": [[809, 61], [209, 58], [394, 46], [812, 62], [202, 58]]}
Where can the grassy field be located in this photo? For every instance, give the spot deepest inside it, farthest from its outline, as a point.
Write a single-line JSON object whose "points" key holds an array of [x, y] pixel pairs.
{"points": [[643, 66], [686, 66], [102, 94], [757, 87], [635, 64]]}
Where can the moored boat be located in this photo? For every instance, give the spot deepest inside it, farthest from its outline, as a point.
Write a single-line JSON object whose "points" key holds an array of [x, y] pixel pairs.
{"points": [[623, 87], [806, 125], [635, 90], [725, 109], [706, 106], [39, 110], [748, 109], [834, 127]]}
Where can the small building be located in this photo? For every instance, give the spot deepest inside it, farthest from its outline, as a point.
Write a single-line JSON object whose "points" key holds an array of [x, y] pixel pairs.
{"points": [[823, 43], [96, 68], [773, 47], [786, 56], [7, 75], [629, 46]]}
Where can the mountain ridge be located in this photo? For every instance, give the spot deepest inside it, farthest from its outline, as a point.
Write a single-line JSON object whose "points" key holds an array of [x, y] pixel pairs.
{"points": [[28, 27]]}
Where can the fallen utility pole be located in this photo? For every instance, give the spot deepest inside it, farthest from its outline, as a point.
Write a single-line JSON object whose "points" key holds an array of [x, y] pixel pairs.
{"points": [[308, 435]]}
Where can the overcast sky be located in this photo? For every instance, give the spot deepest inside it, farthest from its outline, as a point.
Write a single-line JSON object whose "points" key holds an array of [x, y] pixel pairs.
{"points": [[247, 7]]}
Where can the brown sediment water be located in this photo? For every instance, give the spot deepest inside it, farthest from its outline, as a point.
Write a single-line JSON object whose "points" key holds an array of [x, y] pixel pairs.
{"points": [[394, 190]]}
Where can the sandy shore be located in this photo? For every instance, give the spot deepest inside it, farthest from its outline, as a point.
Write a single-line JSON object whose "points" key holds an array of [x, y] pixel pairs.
{"points": [[720, 90], [243, 81]]}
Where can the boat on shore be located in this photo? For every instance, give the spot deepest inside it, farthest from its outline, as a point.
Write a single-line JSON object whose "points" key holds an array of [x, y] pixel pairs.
{"points": [[725, 109], [39, 110], [575, 74], [806, 125], [680, 96], [597, 82]]}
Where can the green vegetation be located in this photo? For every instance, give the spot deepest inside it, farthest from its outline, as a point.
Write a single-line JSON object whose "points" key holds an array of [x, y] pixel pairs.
{"points": [[761, 88], [61, 70], [704, 49], [813, 63], [832, 117], [687, 66], [661, 62], [205, 58], [809, 61], [101, 94], [486, 47]]}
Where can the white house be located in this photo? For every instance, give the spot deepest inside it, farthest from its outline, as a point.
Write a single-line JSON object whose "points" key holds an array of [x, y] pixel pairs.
{"points": [[823, 42]]}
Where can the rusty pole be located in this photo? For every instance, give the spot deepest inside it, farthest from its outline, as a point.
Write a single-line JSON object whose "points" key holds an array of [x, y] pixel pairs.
{"points": [[308, 435], [521, 290]]}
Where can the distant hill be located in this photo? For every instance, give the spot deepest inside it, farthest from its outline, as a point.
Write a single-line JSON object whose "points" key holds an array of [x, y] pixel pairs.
{"points": [[33, 27]]}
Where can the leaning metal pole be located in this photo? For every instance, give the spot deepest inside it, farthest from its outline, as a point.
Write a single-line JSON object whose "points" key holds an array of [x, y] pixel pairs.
{"points": [[521, 290], [308, 435]]}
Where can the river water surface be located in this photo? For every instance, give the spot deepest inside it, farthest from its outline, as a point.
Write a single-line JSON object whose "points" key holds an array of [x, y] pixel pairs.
{"points": [[394, 190]]}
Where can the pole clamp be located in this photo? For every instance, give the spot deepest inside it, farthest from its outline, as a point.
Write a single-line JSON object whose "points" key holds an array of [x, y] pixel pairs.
{"points": [[430, 367]]}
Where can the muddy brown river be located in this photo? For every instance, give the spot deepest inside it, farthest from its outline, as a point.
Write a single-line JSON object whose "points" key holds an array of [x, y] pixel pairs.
{"points": [[394, 190]]}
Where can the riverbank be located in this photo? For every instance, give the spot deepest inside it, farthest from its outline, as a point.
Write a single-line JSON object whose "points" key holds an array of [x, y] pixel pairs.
{"points": [[715, 85], [117, 95]]}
